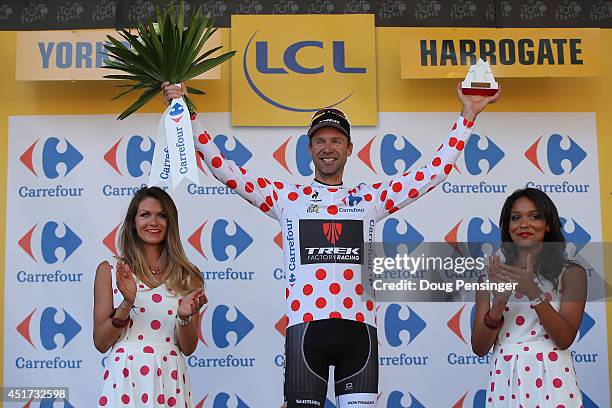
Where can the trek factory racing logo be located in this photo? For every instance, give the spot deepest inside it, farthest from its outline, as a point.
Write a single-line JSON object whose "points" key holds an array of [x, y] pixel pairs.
{"points": [[293, 156], [395, 325], [325, 241], [396, 397], [392, 151], [44, 241], [42, 329], [392, 238], [222, 400], [128, 155], [551, 153], [480, 235], [219, 326], [45, 158], [213, 237], [291, 66]]}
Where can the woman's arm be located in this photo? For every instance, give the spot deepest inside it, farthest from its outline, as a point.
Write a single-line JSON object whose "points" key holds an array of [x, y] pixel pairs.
{"points": [[104, 333], [189, 308], [562, 326]]}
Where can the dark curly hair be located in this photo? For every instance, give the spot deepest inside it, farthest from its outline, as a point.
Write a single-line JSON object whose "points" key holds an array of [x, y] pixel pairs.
{"points": [[551, 260]]}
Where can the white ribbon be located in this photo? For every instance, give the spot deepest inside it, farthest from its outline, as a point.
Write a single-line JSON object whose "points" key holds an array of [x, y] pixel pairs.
{"points": [[174, 156]]}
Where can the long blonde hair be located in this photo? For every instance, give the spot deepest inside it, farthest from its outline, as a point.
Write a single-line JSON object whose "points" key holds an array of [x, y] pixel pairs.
{"points": [[180, 275]]}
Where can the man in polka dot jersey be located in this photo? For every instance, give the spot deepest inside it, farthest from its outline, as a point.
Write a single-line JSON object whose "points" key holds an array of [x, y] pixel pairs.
{"points": [[330, 318]]}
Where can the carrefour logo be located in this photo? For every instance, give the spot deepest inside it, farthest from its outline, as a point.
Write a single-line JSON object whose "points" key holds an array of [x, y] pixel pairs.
{"points": [[475, 399], [392, 151], [231, 148], [52, 403], [578, 236], [213, 237], [110, 240], [42, 329], [461, 323], [47, 156], [293, 156], [478, 151], [221, 325], [222, 400], [44, 241], [398, 398], [413, 325], [128, 155], [291, 64], [559, 155], [477, 233], [392, 237]]}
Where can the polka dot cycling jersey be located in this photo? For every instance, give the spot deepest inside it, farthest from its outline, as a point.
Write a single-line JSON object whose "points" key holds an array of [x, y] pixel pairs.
{"points": [[324, 227]]}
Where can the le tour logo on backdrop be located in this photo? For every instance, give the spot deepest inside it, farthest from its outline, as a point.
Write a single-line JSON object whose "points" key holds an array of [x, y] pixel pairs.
{"points": [[512, 52], [285, 70], [73, 55]]}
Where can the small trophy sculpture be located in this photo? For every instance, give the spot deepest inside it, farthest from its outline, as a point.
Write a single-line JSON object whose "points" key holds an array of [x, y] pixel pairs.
{"points": [[479, 80]]}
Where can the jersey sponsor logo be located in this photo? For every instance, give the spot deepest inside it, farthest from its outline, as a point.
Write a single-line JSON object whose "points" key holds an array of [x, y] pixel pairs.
{"points": [[313, 208], [324, 241]]}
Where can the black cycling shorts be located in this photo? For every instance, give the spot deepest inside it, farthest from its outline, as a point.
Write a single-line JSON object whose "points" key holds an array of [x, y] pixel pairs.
{"points": [[310, 348]]}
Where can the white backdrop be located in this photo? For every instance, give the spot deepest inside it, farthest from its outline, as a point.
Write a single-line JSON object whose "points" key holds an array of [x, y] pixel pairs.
{"points": [[70, 179]]}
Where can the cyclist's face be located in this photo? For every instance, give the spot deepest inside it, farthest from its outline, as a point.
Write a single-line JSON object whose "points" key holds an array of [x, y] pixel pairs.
{"points": [[329, 148]]}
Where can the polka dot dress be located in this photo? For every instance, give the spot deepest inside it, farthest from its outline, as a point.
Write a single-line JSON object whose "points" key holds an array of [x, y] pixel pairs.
{"points": [[145, 368], [527, 369]]}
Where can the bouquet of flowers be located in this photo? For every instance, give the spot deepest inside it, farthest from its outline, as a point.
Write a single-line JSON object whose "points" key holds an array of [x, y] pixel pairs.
{"points": [[162, 51]]}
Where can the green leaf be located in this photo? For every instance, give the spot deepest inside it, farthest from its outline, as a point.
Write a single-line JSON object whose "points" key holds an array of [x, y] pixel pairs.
{"points": [[144, 98], [134, 88], [195, 91], [171, 55], [181, 19], [208, 65]]}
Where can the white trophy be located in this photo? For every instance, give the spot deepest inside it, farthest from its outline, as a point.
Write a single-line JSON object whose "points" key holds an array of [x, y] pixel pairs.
{"points": [[479, 80]]}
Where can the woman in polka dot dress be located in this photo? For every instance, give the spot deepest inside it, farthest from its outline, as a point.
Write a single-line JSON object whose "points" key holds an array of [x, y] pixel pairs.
{"points": [[158, 293], [531, 328]]}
